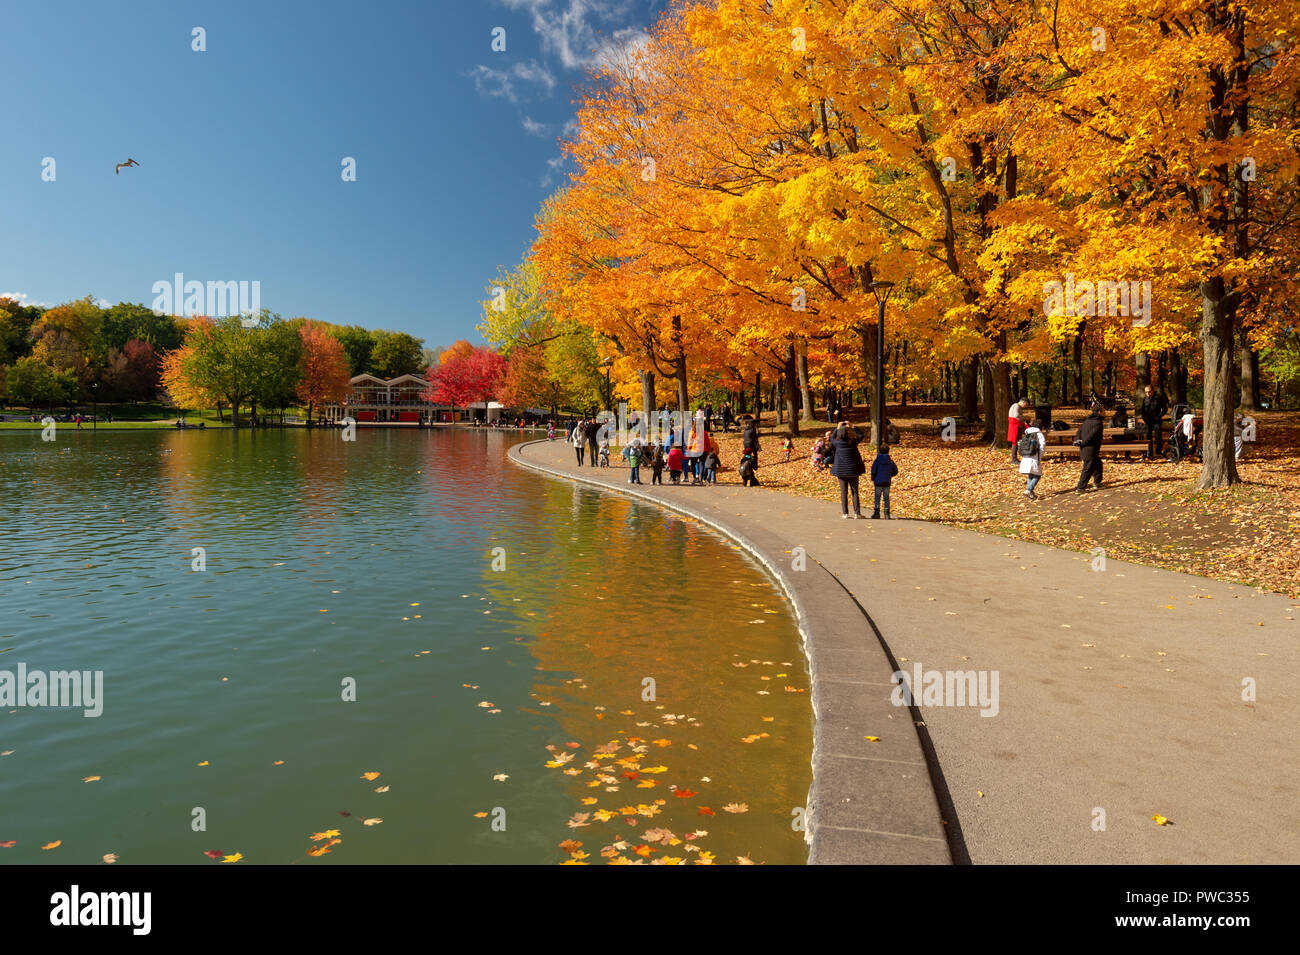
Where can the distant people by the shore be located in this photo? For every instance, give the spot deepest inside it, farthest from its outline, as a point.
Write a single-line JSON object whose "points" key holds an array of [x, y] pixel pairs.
{"points": [[1089, 441]]}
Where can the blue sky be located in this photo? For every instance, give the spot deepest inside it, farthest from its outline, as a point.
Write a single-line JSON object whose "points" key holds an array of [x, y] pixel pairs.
{"points": [[240, 148]]}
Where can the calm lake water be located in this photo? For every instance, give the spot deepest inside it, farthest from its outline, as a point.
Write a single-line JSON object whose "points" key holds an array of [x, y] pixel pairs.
{"points": [[329, 562]]}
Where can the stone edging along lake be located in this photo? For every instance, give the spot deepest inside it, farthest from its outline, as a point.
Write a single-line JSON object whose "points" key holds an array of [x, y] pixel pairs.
{"points": [[868, 804]]}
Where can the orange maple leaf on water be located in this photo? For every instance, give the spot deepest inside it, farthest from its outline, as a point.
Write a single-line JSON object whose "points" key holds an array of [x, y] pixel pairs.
{"points": [[706, 811], [53, 845], [570, 845], [327, 834], [684, 793], [480, 815], [643, 850], [319, 850], [370, 776]]}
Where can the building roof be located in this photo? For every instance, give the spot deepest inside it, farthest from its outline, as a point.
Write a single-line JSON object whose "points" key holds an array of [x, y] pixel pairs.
{"points": [[400, 379]]}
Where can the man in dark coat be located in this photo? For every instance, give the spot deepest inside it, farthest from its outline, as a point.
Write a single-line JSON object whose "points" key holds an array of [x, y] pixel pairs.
{"points": [[593, 438], [1154, 406], [1089, 442], [847, 465]]}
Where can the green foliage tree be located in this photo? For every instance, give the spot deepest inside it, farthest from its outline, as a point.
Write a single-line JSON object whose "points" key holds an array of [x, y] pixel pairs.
{"points": [[358, 344], [395, 354], [33, 383]]}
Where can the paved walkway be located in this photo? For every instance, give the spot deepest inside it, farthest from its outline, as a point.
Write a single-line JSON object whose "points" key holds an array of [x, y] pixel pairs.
{"points": [[1120, 691]]}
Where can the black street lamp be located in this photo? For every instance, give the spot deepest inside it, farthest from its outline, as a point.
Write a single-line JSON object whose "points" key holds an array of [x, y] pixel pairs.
{"points": [[608, 363], [881, 291], [94, 406]]}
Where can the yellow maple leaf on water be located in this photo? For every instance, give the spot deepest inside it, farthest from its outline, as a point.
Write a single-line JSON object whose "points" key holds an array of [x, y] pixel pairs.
{"points": [[91, 779], [370, 776], [480, 815], [53, 845], [327, 834], [319, 850], [233, 858], [589, 800], [655, 769]]}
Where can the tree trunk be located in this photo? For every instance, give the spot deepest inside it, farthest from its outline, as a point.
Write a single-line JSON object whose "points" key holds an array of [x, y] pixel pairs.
{"points": [[1219, 468], [1143, 364], [1001, 398], [647, 393], [792, 390], [970, 374], [808, 412], [758, 396], [1249, 376], [1180, 377], [1076, 365], [990, 412]]}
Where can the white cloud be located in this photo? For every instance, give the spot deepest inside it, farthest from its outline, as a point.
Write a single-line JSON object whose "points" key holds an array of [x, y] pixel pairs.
{"points": [[22, 298], [553, 167], [490, 82], [534, 128], [577, 31]]}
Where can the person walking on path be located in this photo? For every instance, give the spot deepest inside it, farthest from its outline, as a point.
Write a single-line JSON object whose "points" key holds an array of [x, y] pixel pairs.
{"points": [[883, 471], [847, 465], [749, 441], [1089, 442], [727, 417], [578, 438], [593, 436], [1015, 425], [1153, 409], [1032, 443], [634, 462], [696, 447]]}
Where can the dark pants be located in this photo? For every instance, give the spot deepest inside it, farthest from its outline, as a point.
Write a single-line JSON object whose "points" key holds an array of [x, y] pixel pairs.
{"points": [[846, 485], [1091, 467], [657, 476], [636, 474], [578, 449], [1155, 439], [592, 446], [882, 490]]}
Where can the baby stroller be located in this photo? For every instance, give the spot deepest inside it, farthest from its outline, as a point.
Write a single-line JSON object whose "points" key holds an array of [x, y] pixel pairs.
{"points": [[1186, 439]]}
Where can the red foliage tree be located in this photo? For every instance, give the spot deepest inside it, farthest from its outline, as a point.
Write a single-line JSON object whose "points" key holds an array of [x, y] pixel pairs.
{"points": [[466, 375]]}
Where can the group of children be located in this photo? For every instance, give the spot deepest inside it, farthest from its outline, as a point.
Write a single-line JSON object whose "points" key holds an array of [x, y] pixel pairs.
{"points": [[697, 469]]}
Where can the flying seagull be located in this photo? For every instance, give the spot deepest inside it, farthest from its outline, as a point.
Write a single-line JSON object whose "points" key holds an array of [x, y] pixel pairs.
{"points": [[118, 169]]}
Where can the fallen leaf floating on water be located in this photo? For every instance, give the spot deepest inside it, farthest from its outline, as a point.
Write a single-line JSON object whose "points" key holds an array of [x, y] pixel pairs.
{"points": [[744, 860], [570, 845], [370, 776], [480, 815], [214, 854], [321, 836], [233, 858], [371, 822], [499, 777], [381, 789], [8, 845], [736, 807], [91, 779], [110, 858], [53, 845], [204, 763], [706, 811]]}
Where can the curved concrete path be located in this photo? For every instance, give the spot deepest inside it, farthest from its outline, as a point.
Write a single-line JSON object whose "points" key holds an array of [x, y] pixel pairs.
{"points": [[1124, 692], [870, 802]]}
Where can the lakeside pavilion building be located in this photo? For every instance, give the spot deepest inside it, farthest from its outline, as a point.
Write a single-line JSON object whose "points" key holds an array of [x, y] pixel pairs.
{"points": [[393, 401]]}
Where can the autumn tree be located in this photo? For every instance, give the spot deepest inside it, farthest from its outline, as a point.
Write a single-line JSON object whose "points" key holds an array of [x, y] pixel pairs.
{"points": [[323, 367]]}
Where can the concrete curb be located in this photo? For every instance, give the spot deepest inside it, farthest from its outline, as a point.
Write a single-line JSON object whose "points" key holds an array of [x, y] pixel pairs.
{"points": [[869, 803]]}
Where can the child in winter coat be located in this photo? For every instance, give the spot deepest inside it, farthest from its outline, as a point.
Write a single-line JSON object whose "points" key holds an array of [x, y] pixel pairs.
{"points": [[711, 465], [675, 459], [657, 467], [747, 476], [883, 471]]}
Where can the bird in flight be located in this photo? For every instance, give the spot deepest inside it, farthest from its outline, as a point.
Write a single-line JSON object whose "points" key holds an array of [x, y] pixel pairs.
{"points": [[118, 169]]}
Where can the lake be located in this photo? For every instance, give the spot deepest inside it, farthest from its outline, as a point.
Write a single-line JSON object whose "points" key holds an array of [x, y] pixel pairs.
{"points": [[409, 605]]}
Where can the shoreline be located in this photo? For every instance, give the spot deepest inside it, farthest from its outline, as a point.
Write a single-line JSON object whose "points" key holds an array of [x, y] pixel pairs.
{"points": [[846, 695]]}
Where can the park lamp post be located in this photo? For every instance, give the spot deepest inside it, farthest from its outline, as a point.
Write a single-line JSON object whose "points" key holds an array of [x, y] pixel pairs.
{"points": [[881, 291], [94, 406], [608, 363]]}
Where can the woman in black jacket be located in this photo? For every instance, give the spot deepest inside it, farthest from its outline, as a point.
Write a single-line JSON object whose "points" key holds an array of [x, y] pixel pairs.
{"points": [[847, 465]]}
